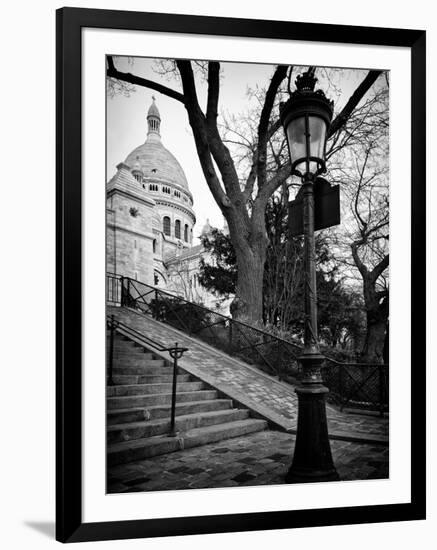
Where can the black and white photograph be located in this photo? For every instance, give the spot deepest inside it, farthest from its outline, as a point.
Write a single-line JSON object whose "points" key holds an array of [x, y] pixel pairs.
{"points": [[247, 274], [218, 275]]}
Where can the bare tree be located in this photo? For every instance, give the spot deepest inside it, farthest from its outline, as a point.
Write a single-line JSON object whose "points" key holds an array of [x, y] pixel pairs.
{"points": [[365, 233], [180, 280], [242, 202]]}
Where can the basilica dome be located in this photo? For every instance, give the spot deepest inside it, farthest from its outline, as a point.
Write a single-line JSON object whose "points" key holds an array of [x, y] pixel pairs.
{"points": [[155, 161]]}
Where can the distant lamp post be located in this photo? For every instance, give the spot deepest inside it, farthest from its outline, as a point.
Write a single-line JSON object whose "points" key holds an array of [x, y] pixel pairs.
{"points": [[306, 118]]}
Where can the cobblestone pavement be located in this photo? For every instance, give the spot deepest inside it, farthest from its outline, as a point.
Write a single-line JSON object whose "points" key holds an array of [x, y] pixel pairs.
{"points": [[250, 386], [262, 458]]}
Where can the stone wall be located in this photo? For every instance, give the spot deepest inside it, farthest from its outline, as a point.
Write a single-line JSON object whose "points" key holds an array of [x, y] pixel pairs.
{"points": [[130, 237]]}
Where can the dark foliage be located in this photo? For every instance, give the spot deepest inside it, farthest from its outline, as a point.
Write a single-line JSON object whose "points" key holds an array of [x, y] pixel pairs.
{"points": [[178, 313], [219, 276]]}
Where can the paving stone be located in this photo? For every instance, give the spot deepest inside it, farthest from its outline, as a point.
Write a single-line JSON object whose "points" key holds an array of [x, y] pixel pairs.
{"points": [[137, 481], [353, 461], [194, 471], [278, 456], [244, 476]]}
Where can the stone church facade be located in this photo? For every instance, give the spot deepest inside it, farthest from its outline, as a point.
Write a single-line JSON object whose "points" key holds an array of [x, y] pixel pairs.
{"points": [[150, 221]]}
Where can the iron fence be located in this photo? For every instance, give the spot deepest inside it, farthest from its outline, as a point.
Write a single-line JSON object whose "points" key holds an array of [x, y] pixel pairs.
{"points": [[256, 347], [113, 289], [356, 385]]}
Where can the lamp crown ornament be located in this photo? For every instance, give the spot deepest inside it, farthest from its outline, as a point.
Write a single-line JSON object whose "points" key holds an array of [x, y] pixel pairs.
{"points": [[305, 84], [306, 81], [305, 97]]}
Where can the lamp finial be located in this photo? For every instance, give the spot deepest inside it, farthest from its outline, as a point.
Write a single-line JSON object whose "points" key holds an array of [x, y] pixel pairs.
{"points": [[306, 81]]}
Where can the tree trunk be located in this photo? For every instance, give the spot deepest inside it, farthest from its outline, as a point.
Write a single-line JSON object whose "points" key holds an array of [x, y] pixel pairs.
{"points": [[377, 316], [373, 351], [386, 350], [247, 305], [377, 307]]}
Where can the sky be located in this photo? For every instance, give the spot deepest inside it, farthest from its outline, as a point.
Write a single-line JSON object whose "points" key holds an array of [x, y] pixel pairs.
{"points": [[127, 124]]}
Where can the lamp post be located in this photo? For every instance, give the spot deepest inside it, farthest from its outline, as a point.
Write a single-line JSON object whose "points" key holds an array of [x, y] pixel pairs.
{"points": [[306, 117]]}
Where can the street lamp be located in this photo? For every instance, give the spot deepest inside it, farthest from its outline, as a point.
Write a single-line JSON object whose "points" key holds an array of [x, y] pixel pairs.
{"points": [[306, 117]]}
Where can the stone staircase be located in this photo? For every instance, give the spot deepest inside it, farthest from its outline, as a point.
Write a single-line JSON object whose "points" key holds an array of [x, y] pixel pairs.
{"points": [[139, 408]]}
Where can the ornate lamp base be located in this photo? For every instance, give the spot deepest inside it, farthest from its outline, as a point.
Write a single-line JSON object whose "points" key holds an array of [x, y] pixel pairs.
{"points": [[312, 460]]}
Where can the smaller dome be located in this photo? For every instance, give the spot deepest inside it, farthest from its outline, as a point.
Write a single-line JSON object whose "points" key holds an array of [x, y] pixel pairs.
{"points": [[153, 110], [206, 230], [137, 166]]}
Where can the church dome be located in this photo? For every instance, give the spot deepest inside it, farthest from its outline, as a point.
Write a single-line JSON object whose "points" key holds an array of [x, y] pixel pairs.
{"points": [[156, 162]]}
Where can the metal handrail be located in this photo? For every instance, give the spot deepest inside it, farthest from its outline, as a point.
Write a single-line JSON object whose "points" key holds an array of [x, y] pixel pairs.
{"points": [[229, 319], [239, 326], [238, 333], [225, 317], [175, 352], [352, 364], [242, 323]]}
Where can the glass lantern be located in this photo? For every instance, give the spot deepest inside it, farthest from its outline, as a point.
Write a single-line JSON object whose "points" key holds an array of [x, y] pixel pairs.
{"points": [[306, 117]]}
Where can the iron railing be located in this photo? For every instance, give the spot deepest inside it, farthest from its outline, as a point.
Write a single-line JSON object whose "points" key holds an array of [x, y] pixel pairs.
{"points": [[357, 385], [113, 289], [351, 384], [175, 352], [270, 353]]}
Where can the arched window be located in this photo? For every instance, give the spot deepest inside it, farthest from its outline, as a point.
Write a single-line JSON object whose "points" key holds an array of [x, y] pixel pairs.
{"points": [[177, 229], [186, 233], [154, 246], [166, 225]]}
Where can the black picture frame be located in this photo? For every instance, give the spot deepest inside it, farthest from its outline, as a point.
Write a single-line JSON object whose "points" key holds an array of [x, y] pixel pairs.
{"points": [[69, 524]]}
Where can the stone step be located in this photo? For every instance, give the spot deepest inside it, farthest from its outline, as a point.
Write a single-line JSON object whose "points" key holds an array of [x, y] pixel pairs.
{"points": [[135, 353], [158, 399], [140, 449], [136, 414], [123, 344], [139, 362], [122, 341], [139, 430], [147, 389], [118, 341], [120, 379], [139, 370]]}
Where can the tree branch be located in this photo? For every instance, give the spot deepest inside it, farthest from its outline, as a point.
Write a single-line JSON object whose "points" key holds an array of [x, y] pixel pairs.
{"points": [[112, 72], [360, 265], [213, 90], [219, 150], [273, 183], [353, 101], [263, 126], [380, 268]]}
